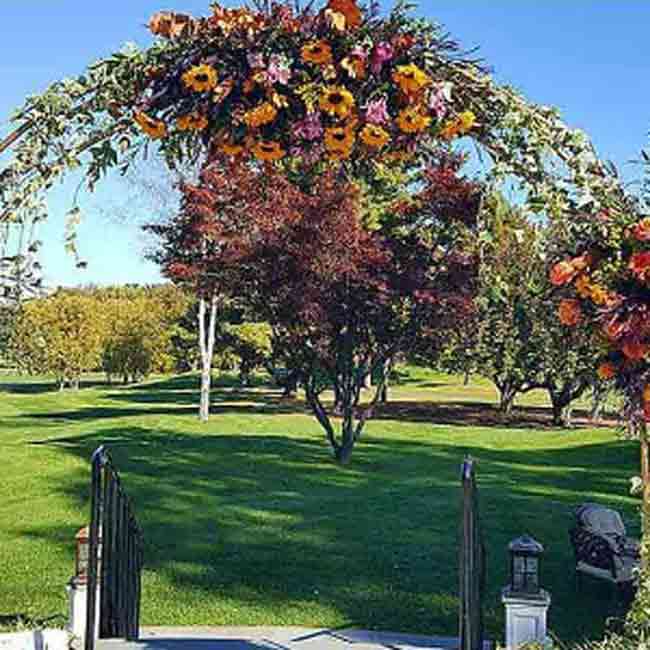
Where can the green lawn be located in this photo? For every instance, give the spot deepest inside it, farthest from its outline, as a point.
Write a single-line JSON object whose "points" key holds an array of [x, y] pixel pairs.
{"points": [[248, 522]]}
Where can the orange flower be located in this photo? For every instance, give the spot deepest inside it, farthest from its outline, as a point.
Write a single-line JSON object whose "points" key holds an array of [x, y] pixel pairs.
{"points": [[268, 151], [569, 312], [337, 101], [640, 265], [375, 136], [201, 78], [349, 9], [614, 329], [318, 52], [410, 78], [607, 371], [153, 128], [412, 120], [562, 273], [260, 115], [231, 149], [192, 122], [339, 142], [642, 230], [634, 350]]}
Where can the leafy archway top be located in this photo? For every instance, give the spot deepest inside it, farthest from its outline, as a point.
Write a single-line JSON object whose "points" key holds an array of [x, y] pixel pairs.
{"points": [[300, 87]]}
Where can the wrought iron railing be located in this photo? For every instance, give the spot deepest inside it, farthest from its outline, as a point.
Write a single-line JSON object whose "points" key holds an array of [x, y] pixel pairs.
{"points": [[472, 563], [115, 556]]}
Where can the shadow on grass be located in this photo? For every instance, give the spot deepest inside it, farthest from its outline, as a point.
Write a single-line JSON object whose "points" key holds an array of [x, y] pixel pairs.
{"points": [[39, 387], [267, 519]]}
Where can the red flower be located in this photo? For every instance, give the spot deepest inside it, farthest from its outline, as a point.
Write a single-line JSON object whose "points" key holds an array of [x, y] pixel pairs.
{"points": [[642, 230], [349, 9], [607, 371], [640, 265], [570, 312], [635, 350], [562, 273]]}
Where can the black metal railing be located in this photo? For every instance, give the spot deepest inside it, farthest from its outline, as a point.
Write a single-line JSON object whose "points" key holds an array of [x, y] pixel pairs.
{"points": [[472, 563], [115, 556]]}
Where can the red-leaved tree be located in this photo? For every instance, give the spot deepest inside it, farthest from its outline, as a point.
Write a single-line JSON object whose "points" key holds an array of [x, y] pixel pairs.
{"points": [[345, 299]]}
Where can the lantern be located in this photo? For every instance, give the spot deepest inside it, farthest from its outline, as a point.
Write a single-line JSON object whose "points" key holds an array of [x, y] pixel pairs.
{"points": [[525, 555], [81, 557]]}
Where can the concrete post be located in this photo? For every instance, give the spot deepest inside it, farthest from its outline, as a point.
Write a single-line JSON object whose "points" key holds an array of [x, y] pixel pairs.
{"points": [[525, 617], [77, 608]]}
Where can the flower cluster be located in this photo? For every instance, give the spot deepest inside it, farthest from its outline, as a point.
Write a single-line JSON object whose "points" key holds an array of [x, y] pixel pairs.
{"points": [[607, 286], [301, 87]]}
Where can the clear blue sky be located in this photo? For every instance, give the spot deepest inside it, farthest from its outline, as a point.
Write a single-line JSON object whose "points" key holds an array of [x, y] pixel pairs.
{"points": [[588, 57]]}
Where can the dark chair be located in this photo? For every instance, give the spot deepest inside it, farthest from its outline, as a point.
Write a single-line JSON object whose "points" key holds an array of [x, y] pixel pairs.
{"points": [[601, 546]]}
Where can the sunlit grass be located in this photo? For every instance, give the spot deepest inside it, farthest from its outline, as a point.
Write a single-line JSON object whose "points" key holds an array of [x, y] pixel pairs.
{"points": [[248, 522]]}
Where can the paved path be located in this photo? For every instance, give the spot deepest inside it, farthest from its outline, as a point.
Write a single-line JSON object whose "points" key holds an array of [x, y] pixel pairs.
{"points": [[275, 638]]}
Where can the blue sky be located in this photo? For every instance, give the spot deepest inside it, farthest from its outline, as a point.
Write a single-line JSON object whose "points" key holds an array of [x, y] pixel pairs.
{"points": [[588, 57]]}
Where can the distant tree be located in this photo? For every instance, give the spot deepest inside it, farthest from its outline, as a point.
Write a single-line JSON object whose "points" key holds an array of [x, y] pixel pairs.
{"points": [[517, 341], [61, 335], [252, 343], [140, 324]]}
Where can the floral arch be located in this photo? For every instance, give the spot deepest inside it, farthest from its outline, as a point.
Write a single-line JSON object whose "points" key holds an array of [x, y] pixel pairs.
{"points": [[301, 87]]}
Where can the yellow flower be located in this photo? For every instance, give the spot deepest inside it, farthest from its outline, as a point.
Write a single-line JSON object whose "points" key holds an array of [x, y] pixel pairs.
{"points": [[583, 286], [410, 78], [201, 78], [339, 141], [231, 149], [192, 122], [412, 120], [259, 116], [458, 126], [153, 128], [318, 52], [375, 136], [268, 150], [338, 101], [466, 120]]}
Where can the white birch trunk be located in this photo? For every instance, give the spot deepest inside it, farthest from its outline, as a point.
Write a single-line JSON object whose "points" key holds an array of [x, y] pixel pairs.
{"points": [[207, 336]]}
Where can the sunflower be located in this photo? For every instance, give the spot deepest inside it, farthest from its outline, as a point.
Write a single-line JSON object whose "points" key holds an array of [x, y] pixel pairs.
{"points": [[412, 120], [260, 115], [318, 52], [201, 78], [192, 122], [337, 100], [153, 128], [375, 136], [268, 150], [339, 141], [410, 78]]}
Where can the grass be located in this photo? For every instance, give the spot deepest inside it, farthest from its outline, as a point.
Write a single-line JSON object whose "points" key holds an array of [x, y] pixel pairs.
{"points": [[248, 522]]}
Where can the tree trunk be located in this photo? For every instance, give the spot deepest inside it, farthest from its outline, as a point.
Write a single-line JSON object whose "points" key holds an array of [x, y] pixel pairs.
{"points": [[597, 402], [290, 384], [466, 378], [207, 337], [507, 394]]}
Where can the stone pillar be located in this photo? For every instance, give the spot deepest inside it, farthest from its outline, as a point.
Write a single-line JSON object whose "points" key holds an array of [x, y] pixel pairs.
{"points": [[77, 608], [525, 617]]}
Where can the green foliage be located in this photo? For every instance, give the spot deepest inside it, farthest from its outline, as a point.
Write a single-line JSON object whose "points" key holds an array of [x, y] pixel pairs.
{"points": [[60, 335], [127, 331], [517, 340], [251, 343]]}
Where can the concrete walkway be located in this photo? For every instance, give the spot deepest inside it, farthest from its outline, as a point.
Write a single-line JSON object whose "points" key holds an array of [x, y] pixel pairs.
{"points": [[275, 638]]}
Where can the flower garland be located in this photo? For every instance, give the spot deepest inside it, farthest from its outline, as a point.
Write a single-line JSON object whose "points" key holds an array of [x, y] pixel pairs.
{"points": [[307, 88]]}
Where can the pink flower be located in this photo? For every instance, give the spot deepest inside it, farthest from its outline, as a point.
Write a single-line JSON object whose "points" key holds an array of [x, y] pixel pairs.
{"points": [[383, 52], [439, 100], [255, 60], [279, 70], [377, 111], [310, 128]]}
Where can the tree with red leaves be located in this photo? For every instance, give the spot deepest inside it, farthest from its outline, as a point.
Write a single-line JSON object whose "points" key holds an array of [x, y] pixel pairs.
{"points": [[342, 296]]}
